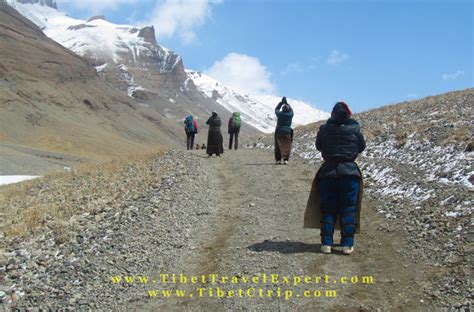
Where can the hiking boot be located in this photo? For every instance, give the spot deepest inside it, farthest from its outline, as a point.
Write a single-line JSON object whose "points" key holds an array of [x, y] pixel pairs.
{"points": [[285, 162], [325, 249], [347, 250], [278, 162]]}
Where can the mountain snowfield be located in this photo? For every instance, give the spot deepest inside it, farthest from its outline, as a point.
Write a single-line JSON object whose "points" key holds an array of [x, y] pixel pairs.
{"points": [[107, 43], [96, 38], [256, 110]]}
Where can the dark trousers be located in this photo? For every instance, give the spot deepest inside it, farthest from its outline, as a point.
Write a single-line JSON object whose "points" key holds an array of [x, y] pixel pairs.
{"points": [[338, 198], [233, 135], [189, 140]]}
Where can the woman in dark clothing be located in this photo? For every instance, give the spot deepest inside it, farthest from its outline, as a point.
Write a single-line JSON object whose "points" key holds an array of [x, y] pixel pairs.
{"points": [[283, 131], [337, 187], [214, 136]]}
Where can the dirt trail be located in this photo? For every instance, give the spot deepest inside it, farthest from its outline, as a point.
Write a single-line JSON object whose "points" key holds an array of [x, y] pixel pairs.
{"points": [[255, 227]]}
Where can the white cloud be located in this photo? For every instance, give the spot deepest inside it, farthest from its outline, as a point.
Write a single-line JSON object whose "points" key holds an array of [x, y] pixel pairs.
{"points": [[292, 68], [96, 6], [336, 57], [180, 17], [244, 73], [301, 67], [453, 76]]}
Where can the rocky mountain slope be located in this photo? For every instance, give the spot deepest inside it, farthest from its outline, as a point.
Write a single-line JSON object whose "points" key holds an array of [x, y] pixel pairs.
{"points": [[130, 59], [256, 110], [419, 172], [53, 100], [60, 109]]}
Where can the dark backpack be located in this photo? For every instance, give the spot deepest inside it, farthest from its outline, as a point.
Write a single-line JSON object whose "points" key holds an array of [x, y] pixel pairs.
{"points": [[190, 124]]}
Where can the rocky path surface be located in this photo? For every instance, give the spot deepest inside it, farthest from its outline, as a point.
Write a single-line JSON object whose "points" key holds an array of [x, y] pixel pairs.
{"points": [[236, 219], [254, 228]]}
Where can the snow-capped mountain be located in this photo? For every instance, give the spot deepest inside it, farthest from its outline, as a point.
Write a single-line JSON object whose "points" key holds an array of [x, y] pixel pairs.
{"points": [[255, 110], [132, 60], [98, 39]]}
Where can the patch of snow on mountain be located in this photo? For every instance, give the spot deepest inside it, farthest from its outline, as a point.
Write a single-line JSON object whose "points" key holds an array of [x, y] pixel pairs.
{"points": [[101, 67], [132, 86]]}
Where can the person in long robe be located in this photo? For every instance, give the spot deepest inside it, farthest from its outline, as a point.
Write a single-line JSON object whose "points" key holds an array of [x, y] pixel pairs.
{"points": [[214, 136]]}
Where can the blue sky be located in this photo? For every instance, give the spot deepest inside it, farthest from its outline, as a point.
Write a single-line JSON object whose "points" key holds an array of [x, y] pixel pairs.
{"points": [[368, 53]]}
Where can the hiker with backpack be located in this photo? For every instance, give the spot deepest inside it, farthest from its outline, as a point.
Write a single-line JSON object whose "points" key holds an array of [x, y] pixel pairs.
{"points": [[234, 129], [214, 136], [191, 128], [283, 131], [337, 188]]}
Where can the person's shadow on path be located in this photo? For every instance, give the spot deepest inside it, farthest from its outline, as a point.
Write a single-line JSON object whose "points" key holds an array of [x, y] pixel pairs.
{"points": [[285, 247]]}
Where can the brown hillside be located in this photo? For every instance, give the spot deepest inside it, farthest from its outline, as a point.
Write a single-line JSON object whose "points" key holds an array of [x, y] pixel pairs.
{"points": [[53, 100]]}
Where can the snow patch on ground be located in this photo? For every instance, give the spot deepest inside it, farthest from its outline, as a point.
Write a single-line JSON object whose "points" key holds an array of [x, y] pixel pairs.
{"points": [[442, 164], [10, 179]]}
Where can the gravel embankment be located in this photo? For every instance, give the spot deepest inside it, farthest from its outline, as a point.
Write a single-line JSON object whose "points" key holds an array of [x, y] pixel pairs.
{"points": [[139, 236]]}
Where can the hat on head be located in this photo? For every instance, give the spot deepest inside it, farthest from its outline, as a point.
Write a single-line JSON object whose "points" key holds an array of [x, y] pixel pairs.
{"points": [[341, 111]]}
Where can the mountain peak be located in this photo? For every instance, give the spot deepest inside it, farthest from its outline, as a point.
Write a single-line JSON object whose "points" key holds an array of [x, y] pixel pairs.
{"points": [[48, 3], [148, 34], [96, 17]]}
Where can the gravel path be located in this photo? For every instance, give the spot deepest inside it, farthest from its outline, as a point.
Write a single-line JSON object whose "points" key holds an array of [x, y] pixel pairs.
{"points": [[236, 216], [255, 227]]}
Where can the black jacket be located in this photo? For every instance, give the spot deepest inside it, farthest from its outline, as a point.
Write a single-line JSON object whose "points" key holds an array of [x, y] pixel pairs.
{"points": [[340, 142], [214, 121]]}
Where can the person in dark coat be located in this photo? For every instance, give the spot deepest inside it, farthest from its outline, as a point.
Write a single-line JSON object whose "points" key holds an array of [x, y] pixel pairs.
{"points": [[233, 128], [283, 131], [214, 136], [338, 180]]}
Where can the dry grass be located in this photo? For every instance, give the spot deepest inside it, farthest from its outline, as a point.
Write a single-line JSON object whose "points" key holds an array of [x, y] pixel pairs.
{"points": [[55, 198]]}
